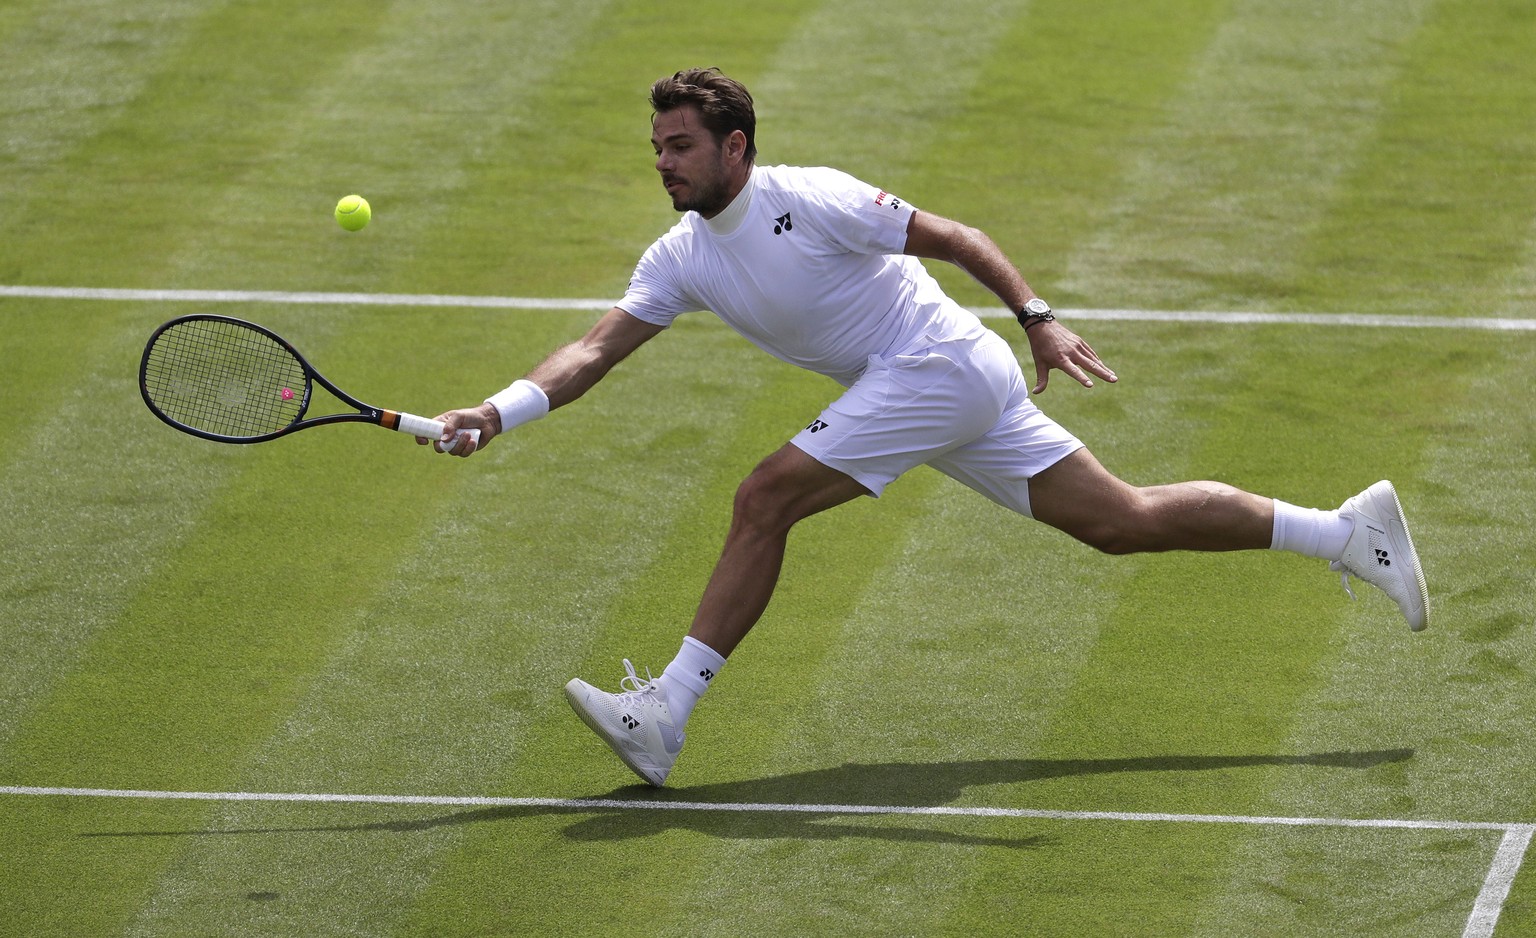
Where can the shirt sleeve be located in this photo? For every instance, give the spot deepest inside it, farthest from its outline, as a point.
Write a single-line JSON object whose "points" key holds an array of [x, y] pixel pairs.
{"points": [[652, 295], [860, 217]]}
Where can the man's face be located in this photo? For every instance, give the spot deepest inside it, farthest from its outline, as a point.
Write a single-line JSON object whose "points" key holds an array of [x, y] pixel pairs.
{"points": [[692, 164]]}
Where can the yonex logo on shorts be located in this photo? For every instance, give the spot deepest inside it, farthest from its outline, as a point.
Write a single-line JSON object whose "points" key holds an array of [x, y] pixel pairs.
{"points": [[816, 426]]}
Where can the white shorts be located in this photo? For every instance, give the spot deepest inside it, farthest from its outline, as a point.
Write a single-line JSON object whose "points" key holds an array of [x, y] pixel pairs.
{"points": [[961, 407]]}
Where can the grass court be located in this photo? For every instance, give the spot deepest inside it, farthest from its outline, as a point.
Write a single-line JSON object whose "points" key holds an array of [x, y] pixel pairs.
{"points": [[952, 720]]}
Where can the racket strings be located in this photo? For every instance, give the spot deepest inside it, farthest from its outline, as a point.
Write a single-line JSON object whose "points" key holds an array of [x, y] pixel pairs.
{"points": [[224, 378]]}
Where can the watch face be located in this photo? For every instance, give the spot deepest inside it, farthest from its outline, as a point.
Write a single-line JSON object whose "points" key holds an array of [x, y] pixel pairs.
{"points": [[1037, 306]]}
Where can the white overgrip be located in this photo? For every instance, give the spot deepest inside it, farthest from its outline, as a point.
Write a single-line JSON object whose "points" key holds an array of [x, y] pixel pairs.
{"points": [[424, 427], [429, 429]]}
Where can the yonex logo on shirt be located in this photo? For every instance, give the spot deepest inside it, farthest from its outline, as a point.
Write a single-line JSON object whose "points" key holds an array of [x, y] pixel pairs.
{"points": [[784, 224], [880, 199]]}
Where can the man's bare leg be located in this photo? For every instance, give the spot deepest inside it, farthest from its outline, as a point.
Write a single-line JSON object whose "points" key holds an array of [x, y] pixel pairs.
{"points": [[1081, 497], [784, 489]]}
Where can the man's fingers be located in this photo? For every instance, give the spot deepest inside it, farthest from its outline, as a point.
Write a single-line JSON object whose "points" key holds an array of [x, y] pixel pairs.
{"points": [[1062, 350]]}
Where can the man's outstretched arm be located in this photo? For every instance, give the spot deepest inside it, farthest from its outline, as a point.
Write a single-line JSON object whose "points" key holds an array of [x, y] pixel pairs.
{"points": [[1052, 344], [568, 373]]}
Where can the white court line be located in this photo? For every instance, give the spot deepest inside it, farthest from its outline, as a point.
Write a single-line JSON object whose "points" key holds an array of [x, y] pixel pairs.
{"points": [[1485, 912], [525, 302], [322, 299], [1501, 876], [751, 807]]}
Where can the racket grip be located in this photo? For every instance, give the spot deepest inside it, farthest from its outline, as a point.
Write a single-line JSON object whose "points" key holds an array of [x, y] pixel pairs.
{"points": [[420, 426], [432, 430]]}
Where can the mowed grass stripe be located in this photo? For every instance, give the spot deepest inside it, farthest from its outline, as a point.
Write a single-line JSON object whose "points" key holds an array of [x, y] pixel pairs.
{"points": [[63, 66], [1436, 214], [1168, 679], [560, 198], [1071, 121], [903, 69], [1247, 638], [160, 165], [482, 621], [1199, 665], [1458, 694], [207, 653], [1520, 288], [85, 525], [1286, 93], [409, 118]]}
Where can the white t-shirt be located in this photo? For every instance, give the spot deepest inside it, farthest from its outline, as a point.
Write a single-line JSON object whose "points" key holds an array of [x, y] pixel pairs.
{"points": [[806, 263]]}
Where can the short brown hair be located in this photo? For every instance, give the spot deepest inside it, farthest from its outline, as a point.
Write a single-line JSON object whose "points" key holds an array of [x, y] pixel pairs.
{"points": [[724, 103]]}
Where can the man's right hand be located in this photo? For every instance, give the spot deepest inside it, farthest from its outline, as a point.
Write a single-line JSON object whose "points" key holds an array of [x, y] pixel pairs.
{"points": [[483, 421]]}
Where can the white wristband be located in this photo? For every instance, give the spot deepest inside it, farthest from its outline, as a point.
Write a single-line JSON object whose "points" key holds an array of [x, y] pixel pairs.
{"points": [[519, 403]]}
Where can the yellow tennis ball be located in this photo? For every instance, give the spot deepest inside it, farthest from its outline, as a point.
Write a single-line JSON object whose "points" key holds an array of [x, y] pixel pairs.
{"points": [[353, 213]]}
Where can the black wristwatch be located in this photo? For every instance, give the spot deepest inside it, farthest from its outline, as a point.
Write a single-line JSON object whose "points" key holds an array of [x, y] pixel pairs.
{"points": [[1035, 311]]}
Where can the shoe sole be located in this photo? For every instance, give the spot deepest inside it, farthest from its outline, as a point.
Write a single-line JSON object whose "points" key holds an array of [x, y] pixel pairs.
{"points": [[574, 695], [1400, 520]]}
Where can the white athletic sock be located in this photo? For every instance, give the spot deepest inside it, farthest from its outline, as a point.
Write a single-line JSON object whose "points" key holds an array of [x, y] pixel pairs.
{"points": [[688, 676], [1310, 531]]}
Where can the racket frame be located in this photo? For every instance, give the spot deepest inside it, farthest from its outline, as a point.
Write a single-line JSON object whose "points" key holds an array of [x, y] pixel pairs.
{"points": [[366, 413]]}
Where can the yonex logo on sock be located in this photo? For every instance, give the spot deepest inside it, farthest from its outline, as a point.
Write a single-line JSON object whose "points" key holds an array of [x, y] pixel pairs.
{"points": [[707, 675]]}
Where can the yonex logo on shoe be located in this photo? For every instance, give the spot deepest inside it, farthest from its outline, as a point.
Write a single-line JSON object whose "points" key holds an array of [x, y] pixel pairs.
{"points": [[1382, 559], [707, 675], [629, 721]]}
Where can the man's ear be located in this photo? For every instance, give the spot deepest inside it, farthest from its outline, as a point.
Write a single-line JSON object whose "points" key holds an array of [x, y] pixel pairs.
{"points": [[736, 145]]}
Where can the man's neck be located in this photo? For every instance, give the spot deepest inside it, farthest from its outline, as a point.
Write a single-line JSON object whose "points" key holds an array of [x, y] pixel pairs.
{"points": [[728, 219]]}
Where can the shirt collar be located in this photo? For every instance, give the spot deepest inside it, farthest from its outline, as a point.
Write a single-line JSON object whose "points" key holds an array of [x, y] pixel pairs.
{"points": [[729, 220]]}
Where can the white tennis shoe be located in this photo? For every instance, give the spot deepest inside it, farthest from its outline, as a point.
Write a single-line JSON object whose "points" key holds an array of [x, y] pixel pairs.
{"points": [[1381, 553], [636, 724]]}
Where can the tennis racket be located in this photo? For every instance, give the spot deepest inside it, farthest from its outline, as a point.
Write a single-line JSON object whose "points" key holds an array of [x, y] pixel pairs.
{"points": [[233, 381]]}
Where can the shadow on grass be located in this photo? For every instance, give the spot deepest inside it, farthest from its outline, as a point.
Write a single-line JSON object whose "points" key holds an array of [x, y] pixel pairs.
{"points": [[745, 808]]}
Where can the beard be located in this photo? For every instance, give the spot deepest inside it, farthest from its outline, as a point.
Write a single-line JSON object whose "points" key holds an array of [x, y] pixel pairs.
{"points": [[708, 197]]}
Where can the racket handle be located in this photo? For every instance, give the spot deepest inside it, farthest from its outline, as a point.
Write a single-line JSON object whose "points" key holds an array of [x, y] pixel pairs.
{"points": [[433, 430]]}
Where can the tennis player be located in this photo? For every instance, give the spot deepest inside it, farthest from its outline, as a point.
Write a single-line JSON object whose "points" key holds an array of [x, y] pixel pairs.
{"points": [[822, 270]]}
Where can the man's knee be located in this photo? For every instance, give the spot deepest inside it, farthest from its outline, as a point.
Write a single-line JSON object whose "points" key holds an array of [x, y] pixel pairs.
{"points": [[763, 501], [1113, 538], [1124, 526]]}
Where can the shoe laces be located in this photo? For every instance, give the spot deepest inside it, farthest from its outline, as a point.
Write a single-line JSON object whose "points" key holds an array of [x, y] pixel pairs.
{"points": [[1337, 566], [631, 684]]}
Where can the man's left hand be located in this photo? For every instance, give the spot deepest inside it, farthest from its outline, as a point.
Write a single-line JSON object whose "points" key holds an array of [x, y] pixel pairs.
{"points": [[1055, 346]]}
